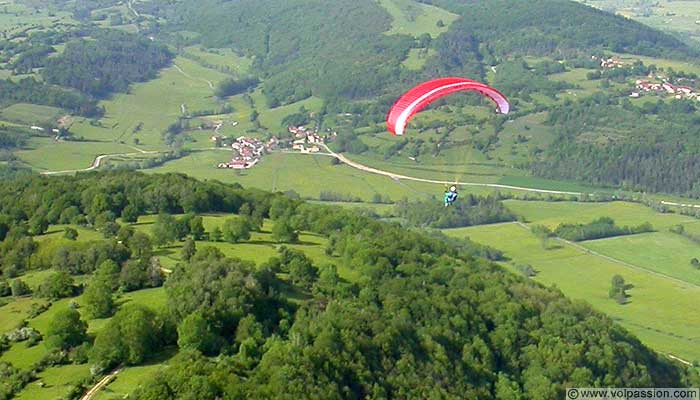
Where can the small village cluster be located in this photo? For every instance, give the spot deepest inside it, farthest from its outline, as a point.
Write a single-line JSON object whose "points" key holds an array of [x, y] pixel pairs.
{"points": [[642, 86], [305, 140], [610, 63], [247, 152], [680, 92]]}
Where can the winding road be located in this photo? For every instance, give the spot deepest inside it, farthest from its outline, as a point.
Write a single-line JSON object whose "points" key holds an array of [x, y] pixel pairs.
{"points": [[98, 161], [397, 177]]}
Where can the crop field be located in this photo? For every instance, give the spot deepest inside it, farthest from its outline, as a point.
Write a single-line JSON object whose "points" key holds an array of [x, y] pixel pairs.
{"points": [[414, 18], [656, 311]]}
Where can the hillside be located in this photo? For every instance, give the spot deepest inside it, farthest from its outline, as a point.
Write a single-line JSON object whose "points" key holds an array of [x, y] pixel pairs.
{"points": [[376, 310], [302, 52]]}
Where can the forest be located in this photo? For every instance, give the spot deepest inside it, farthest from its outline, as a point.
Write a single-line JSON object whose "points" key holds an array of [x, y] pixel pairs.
{"points": [[428, 317], [650, 147], [107, 62], [300, 53]]}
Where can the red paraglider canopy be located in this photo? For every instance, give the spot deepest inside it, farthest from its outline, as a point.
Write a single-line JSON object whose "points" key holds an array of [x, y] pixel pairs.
{"points": [[420, 96]]}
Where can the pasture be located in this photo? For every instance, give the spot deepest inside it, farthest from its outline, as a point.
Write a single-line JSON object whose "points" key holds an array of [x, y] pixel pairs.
{"points": [[552, 214], [657, 311], [663, 252], [414, 18], [30, 114]]}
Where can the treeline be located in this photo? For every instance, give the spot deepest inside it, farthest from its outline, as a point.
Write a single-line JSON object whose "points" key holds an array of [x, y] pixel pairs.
{"points": [[109, 62], [294, 42], [29, 90], [611, 142], [12, 137], [602, 227], [468, 210], [233, 86], [548, 27]]}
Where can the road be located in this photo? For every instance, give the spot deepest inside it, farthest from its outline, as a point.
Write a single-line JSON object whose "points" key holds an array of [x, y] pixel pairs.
{"points": [[102, 383], [397, 177], [98, 161]]}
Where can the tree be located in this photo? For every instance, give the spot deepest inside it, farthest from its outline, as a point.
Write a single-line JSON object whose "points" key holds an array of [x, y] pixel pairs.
{"points": [[130, 336], [98, 298], [108, 272], [38, 225], [20, 288], [302, 272], [57, 286], [618, 289], [543, 233], [70, 233], [164, 230], [5, 289], [283, 232], [140, 246], [133, 275], [66, 330], [197, 228], [130, 213], [236, 229], [695, 263], [216, 234], [188, 249], [195, 333]]}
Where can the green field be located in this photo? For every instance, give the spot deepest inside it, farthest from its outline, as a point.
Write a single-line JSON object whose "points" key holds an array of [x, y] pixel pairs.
{"points": [[413, 18], [663, 252], [308, 175], [552, 214], [417, 58], [30, 114], [154, 105], [678, 16], [221, 58], [658, 308], [57, 381], [47, 155]]}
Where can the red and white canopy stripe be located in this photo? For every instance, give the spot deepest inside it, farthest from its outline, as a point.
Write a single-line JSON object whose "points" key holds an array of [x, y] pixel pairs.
{"points": [[420, 96]]}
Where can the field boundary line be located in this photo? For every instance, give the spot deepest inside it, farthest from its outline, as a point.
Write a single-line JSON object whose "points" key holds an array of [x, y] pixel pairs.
{"points": [[615, 260]]}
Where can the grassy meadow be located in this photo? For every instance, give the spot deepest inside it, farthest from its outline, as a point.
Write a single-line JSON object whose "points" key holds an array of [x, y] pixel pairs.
{"points": [[657, 311]]}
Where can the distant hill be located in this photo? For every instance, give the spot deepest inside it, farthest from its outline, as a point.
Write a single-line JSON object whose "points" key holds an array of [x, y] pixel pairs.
{"points": [[339, 49]]}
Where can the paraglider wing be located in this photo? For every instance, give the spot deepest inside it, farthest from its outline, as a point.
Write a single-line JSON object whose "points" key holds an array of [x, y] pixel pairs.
{"points": [[420, 96]]}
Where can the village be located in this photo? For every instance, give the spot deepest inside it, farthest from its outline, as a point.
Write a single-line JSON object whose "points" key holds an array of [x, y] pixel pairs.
{"points": [[653, 84], [247, 152]]}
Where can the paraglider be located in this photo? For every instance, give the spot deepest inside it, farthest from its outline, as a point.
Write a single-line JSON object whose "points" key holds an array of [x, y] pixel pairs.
{"points": [[425, 93], [450, 195], [420, 96]]}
